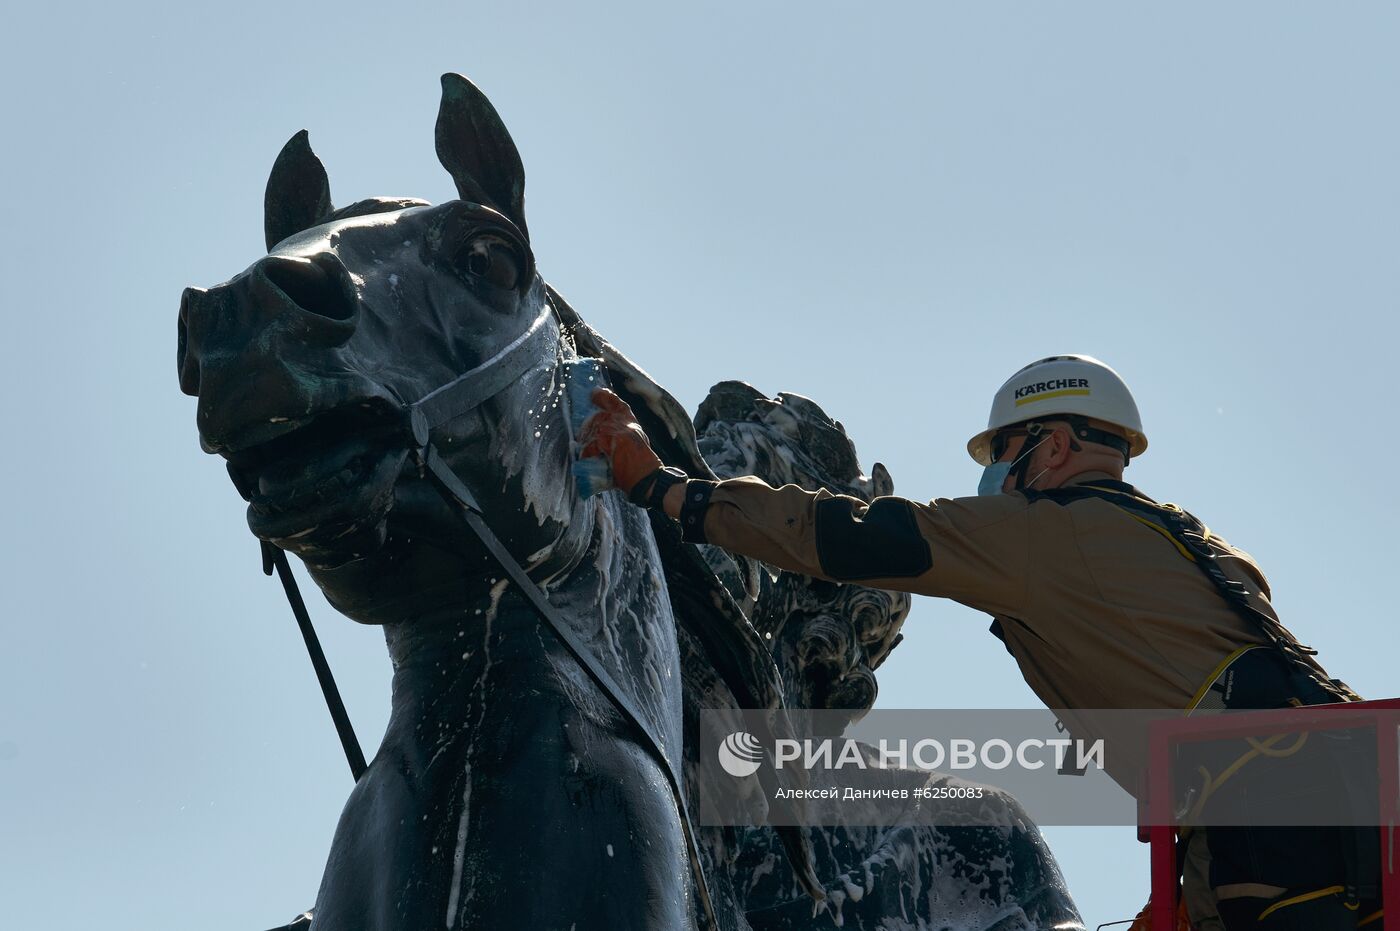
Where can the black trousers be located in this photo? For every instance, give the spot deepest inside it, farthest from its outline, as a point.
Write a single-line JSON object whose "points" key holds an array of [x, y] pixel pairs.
{"points": [[1306, 861], [1275, 778]]}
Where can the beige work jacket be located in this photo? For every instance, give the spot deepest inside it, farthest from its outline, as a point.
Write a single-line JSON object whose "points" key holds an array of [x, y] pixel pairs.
{"points": [[1099, 609]]}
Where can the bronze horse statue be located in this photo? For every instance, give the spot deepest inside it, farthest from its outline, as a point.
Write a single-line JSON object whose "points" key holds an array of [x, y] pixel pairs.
{"points": [[388, 369]]}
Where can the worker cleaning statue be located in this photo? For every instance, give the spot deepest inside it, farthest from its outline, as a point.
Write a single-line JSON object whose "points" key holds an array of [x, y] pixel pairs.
{"points": [[1079, 570], [397, 393]]}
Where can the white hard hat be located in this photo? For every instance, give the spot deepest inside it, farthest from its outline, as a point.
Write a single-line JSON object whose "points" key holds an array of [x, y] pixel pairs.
{"points": [[1071, 385]]}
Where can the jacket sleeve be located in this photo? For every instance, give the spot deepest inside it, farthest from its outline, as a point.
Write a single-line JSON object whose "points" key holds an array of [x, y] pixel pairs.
{"points": [[973, 550]]}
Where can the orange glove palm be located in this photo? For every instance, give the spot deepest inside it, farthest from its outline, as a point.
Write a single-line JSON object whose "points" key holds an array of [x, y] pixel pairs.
{"points": [[613, 432]]}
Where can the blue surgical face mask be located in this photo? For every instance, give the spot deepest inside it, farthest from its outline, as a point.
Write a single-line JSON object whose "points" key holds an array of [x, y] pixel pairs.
{"points": [[993, 477]]}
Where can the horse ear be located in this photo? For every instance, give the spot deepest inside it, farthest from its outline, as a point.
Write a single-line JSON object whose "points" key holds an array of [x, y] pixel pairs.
{"points": [[298, 194], [880, 482], [475, 148]]}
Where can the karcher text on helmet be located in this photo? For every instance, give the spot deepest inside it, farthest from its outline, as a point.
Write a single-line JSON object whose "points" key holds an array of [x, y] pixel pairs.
{"points": [[1067, 385]]}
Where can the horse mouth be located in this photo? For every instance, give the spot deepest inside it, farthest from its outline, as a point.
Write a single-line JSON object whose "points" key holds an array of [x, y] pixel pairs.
{"points": [[324, 489]]}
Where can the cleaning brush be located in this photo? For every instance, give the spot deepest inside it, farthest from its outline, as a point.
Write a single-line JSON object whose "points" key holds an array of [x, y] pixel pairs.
{"points": [[581, 376]]}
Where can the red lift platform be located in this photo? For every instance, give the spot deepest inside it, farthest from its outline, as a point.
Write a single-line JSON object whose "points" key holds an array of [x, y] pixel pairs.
{"points": [[1156, 822]]}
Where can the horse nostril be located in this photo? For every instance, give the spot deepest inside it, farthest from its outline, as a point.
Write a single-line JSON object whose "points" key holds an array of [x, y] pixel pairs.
{"points": [[310, 286]]}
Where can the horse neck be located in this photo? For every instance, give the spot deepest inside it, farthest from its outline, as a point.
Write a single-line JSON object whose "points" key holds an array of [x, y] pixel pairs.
{"points": [[598, 584], [620, 548]]}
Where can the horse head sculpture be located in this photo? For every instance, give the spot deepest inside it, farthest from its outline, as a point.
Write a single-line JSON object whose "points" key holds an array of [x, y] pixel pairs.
{"points": [[374, 352], [304, 363]]}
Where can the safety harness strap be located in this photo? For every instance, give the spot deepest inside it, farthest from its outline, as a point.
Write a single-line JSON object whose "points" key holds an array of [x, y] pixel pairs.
{"points": [[1299, 675], [1192, 539]]}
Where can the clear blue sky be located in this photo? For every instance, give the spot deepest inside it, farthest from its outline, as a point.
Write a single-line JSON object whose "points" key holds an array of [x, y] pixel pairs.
{"points": [[888, 208]]}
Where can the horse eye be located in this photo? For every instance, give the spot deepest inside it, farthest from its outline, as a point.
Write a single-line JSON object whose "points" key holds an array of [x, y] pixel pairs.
{"points": [[494, 260]]}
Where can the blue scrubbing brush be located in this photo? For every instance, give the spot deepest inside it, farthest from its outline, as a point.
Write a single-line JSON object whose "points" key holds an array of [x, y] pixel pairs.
{"points": [[581, 376]]}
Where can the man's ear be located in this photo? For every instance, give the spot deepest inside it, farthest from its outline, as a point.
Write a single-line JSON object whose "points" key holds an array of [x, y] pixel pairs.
{"points": [[1060, 448]]}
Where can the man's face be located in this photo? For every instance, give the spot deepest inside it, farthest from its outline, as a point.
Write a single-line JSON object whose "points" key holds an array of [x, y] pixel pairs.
{"points": [[1016, 442]]}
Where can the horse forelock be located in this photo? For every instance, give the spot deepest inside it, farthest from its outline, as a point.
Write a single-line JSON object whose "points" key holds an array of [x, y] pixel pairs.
{"points": [[373, 205]]}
